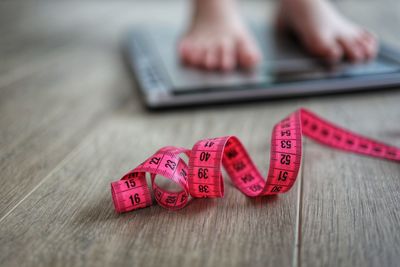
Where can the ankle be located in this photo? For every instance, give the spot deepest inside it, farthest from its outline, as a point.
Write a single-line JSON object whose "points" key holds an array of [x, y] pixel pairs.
{"points": [[214, 9]]}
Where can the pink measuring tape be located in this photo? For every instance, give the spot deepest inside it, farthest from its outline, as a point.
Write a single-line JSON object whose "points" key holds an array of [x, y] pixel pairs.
{"points": [[202, 176]]}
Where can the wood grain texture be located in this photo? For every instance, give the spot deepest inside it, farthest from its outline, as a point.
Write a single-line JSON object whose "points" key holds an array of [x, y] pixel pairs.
{"points": [[74, 214], [350, 204], [46, 121], [71, 123]]}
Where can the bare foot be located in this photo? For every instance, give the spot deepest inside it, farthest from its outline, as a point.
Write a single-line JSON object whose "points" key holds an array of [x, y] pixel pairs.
{"points": [[325, 32], [217, 38]]}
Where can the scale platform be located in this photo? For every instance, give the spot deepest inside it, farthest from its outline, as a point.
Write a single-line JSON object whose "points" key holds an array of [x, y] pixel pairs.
{"points": [[286, 71]]}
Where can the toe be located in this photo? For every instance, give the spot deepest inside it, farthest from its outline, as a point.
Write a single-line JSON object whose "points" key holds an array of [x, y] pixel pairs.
{"points": [[351, 47], [184, 50], [196, 54], [247, 52], [227, 59], [324, 47], [210, 59], [370, 43], [363, 47]]}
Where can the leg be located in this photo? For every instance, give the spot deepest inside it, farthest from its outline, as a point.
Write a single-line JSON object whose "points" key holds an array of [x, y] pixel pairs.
{"points": [[217, 38]]}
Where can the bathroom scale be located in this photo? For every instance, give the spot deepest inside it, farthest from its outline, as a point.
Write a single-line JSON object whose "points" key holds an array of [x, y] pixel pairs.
{"points": [[286, 70]]}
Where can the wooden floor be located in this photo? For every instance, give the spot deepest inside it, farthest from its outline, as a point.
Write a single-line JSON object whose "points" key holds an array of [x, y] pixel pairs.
{"points": [[71, 122]]}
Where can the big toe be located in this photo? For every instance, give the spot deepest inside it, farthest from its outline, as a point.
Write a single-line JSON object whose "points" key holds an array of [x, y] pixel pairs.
{"points": [[248, 52], [323, 46], [184, 49], [191, 52]]}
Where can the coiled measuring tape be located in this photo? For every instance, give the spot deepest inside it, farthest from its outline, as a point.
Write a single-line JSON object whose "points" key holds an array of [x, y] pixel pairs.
{"points": [[202, 176]]}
